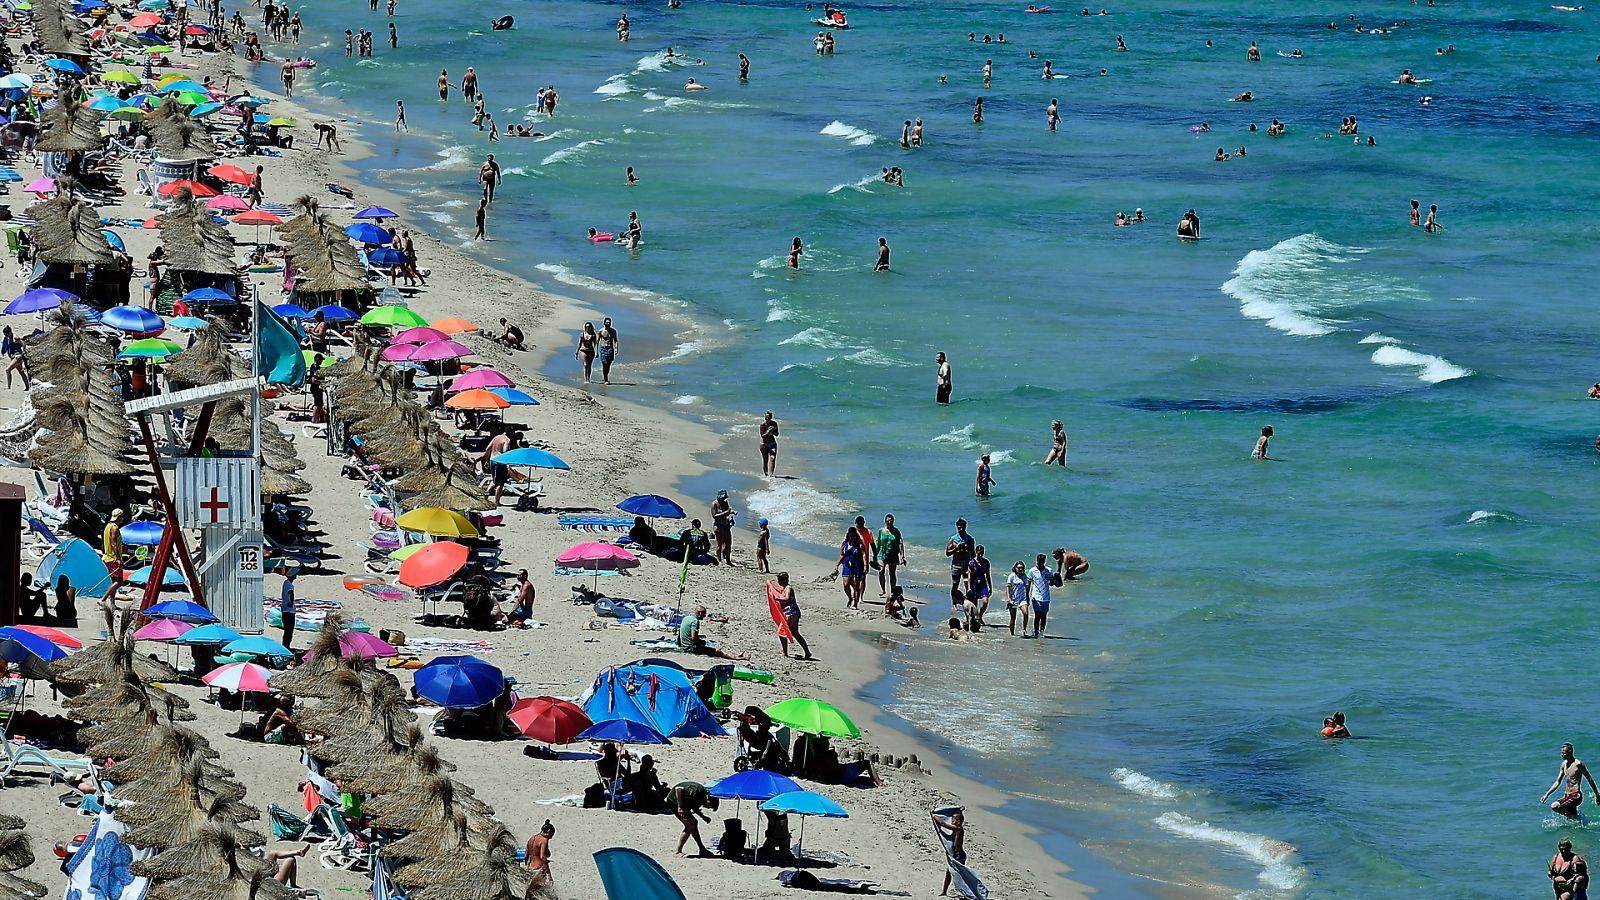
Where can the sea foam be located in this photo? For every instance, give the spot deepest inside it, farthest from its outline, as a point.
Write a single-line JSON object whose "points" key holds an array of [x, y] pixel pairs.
{"points": [[1280, 867], [1144, 785], [859, 137]]}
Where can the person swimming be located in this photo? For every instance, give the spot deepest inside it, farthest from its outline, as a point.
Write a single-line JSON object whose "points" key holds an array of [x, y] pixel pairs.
{"points": [[1333, 726], [1245, 97]]}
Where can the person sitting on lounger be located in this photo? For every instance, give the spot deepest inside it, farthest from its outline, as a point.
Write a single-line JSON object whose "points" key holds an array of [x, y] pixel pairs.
{"points": [[648, 791], [642, 535]]}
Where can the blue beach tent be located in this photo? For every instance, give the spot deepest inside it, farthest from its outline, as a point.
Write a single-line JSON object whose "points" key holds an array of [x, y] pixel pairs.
{"points": [[660, 697]]}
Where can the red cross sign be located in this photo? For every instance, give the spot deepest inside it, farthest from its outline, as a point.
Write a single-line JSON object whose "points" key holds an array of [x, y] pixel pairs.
{"points": [[214, 505]]}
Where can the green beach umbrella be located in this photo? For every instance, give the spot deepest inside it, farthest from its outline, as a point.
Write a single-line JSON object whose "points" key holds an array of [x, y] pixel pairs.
{"points": [[404, 553], [159, 48], [190, 98], [126, 114], [281, 120], [393, 317], [813, 717], [151, 348], [120, 76], [310, 357]]}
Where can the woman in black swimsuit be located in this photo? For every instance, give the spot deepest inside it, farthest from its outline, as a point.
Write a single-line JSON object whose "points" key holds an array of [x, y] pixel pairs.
{"points": [[769, 445], [588, 342]]}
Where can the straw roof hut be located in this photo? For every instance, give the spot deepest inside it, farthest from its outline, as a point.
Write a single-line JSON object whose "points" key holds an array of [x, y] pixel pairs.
{"points": [[233, 882], [194, 241], [113, 660], [13, 887], [67, 232], [125, 698], [211, 850], [186, 823], [179, 136], [70, 125], [414, 805], [59, 32], [440, 837], [177, 782], [68, 341], [321, 253], [207, 361], [15, 852], [486, 873]]}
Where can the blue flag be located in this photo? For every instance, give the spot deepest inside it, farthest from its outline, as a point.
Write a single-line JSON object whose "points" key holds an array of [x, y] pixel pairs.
{"points": [[278, 350]]}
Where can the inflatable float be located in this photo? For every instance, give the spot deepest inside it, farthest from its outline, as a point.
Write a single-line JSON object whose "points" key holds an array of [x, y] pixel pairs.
{"points": [[503, 23]]}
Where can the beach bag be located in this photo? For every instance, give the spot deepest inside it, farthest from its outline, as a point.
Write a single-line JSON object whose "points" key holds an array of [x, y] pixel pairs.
{"points": [[734, 839], [594, 796]]}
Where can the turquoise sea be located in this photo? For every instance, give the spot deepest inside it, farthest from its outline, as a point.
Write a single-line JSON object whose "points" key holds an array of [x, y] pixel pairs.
{"points": [[1420, 551]]}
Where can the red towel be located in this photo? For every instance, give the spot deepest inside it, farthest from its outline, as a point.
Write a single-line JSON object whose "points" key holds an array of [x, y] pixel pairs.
{"points": [[775, 597]]}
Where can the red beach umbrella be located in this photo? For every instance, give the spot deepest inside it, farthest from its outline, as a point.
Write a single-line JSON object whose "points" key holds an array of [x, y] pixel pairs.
{"points": [[550, 720]]}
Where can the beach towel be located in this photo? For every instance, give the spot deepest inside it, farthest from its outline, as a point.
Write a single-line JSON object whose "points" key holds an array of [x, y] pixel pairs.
{"points": [[594, 524], [569, 572], [101, 865], [964, 880], [775, 604], [442, 645]]}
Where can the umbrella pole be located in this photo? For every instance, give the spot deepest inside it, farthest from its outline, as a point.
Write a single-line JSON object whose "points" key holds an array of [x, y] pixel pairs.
{"points": [[800, 848], [756, 858]]}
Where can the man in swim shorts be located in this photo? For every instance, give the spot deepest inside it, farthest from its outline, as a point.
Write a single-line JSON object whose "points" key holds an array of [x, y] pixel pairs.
{"points": [[960, 549], [942, 394], [1571, 773], [609, 341]]}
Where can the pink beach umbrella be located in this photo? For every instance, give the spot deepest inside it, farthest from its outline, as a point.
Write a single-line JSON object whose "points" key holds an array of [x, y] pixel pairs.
{"points": [[480, 379], [597, 557], [421, 334], [40, 186], [240, 677], [227, 202], [162, 630], [359, 643], [430, 352]]}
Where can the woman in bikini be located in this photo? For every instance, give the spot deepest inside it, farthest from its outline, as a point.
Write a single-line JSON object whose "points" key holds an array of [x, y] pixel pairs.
{"points": [[588, 342]]}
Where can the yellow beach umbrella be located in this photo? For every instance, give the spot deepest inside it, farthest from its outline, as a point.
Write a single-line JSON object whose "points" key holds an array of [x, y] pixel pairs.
{"points": [[435, 521]]}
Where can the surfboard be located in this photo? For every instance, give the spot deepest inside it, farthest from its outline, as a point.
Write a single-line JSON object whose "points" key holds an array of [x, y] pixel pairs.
{"points": [[1418, 81], [1289, 55]]}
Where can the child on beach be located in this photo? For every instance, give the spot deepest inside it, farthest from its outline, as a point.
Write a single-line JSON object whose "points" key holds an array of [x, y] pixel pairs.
{"points": [[763, 543]]}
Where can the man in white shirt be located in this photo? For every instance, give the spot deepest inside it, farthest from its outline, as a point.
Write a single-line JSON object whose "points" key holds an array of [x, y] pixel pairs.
{"points": [[1039, 578]]}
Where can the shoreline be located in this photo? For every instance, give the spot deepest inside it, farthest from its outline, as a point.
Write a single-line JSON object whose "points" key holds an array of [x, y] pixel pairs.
{"points": [[559, 315]]}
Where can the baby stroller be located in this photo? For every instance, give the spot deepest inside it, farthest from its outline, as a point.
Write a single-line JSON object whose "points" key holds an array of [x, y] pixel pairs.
{"points": [[771, 753]]}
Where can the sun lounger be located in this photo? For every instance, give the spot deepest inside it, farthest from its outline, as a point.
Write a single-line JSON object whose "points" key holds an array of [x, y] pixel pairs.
{"points": [[19, 755]]}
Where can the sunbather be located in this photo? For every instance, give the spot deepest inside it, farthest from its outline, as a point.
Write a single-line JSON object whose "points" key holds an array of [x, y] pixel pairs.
{"points": [[288, 865], [648, 791], [818, 761]]}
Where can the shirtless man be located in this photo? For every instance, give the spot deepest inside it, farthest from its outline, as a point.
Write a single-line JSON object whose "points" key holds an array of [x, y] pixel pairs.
{"points": [[1569, 874], [1572, 773], [882, 265], [609, 341], [489, 177], [469, 85], [905, 135]]}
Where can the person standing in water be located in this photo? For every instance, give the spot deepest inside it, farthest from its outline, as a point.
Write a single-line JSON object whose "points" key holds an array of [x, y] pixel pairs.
{"points": [[744, 69], [483, 214], [942, 393], [400, 116], [1432, 224], [1058, 445], [1039, 580], [469, 85], [769, 445], [444, 84], [1416, 214], [916, 133], [977, 111], [1571, 773], [905, 135], [1569, 874], [988, 72], [1260, 452], [985, 476], [890, 550], [882, 264], [1052, 115], [796, 250]]}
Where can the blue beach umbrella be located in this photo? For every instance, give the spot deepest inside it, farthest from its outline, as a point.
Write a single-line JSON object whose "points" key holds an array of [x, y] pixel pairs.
{"points": [[257, 645], [39, 300], [460, 682], [291, 311], [187, 323], [367, 233], [182, 610], [205, 109], [106, 103], [64, 65], [169, 578], [754, 784], [652, 505], [514, 396], [387, 256], [625, 731], [531, 457], [185, 85], [333, 312], [215, 633], [377, 213], [114, 239], [28, 653], [142, 534], [132, 319], [803, 804], [208, 295]]}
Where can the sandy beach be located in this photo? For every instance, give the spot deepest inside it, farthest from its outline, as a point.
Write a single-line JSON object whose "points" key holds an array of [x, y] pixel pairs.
{"points": [[616, 448]]}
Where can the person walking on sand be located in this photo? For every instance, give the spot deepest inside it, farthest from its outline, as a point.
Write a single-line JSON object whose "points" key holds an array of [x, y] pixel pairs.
{"points": [[851, 568], [882, 265], [1260, 452], [400, 116], [769, 446], [257, 189], [890, 551], [688, 798], [942, 394], [483, 213], [537, 854], [1058, 445], [609, 342], [1572, 773], [959, 549], [790, 608]]}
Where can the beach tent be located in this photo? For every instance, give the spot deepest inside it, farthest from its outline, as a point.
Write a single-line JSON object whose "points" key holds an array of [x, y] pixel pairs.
{"points": [[660, 697], [628, 874], [80, 562]]}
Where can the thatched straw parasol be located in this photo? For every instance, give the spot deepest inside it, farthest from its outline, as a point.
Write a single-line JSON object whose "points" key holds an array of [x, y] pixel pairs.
{"points": [[182, 825], [165, 787], [126, 698], [194, 240], [109, 661], [441, 837], [178, 135], [488, 873], [415, 804], [67, 231], [70, 125], [211, 850], [15, 853], [231, 883], [13, 887], [58, 31]]}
